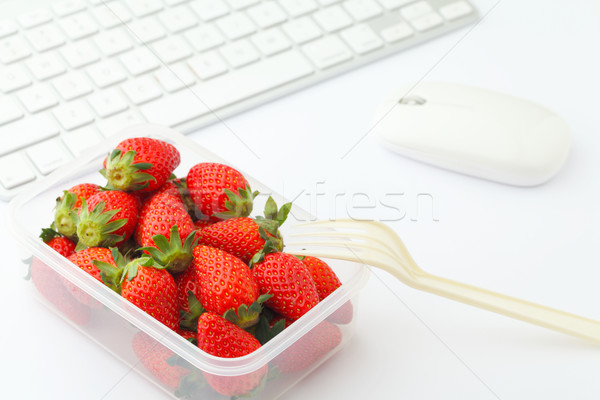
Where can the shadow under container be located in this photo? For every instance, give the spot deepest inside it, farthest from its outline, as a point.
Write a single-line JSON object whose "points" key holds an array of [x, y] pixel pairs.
{"points": [[165, 358]]}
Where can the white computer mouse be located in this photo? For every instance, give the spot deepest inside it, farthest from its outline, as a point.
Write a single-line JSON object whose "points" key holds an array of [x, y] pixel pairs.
{"points": [[474, 131]]}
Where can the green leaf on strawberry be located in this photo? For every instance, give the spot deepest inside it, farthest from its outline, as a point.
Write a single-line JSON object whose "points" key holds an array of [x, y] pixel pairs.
{"points": [[245, 316], [237, 204], [64, 222], [189, 320], [172, 254]]}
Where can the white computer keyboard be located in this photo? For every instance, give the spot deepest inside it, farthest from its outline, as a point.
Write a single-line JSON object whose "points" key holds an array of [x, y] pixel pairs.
{"points": [[73, 72]]}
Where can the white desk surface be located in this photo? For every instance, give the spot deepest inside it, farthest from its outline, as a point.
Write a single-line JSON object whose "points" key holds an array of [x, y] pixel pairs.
{"points": [[535, 243]]}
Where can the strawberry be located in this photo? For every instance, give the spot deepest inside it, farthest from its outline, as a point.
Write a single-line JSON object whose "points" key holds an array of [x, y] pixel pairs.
{"points": [[326, 282], [186, 282], [49, 283], [140, 163], [162, 224], [310, 348], [108, 219], [147, 285], [219, 191], [84, 260], [244, 237], [84, 191], [224, 283], [64, 222], [57, 242], [154, 356], [290, 283], [221, 338]]}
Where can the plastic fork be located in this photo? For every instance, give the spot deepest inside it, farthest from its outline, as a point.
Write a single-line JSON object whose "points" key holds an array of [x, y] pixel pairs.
{"points": [[377, 245]]}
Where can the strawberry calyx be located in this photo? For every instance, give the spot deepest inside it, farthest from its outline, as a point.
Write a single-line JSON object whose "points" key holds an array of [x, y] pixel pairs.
{"points": [[172, 254], [95, 228], [237, 204], [48, 234], [123, 173], [189, 320], [268, 229], [246, 317], [114, 277], [63, 218]]}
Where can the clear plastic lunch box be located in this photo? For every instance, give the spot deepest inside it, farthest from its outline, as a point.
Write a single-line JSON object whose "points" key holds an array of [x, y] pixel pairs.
{"points": [[140, 341]]}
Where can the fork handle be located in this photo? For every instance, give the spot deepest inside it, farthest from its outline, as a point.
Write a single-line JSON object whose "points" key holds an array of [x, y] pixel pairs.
{"points": [[512, 307]]}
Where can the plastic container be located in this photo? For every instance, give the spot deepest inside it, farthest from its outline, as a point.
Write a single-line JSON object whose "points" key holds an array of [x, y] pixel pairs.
{"points": [[140, 341]]}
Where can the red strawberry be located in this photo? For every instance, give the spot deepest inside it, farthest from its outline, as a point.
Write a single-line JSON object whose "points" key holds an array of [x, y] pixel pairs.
{"points": [[224, 282], [107, 219], [290, 283], [221, 338], [219, 191], [60, 244], [49, 283], [244, 237], [186, 282], [155, 358], [147, 285], [64, 221], [140, 164], [310, 348], [326, 282], [84, 191], [164, 214], [84, 260]]}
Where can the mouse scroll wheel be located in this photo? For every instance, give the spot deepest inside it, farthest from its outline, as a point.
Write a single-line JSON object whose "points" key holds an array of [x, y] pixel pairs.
{"points": [[412, 100]]}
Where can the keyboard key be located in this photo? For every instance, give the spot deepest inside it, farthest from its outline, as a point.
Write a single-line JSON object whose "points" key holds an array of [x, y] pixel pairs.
{"points": [[35, 18], [146, 30], [111, 14], [416, 10], [204, 37], [178, 19], [427, 22], [139, 61], [15, 171], [239, 53], [79, 140], [45, 37], [393, 4], [141, 90], [113, 42], [302, 30], [361, 39], [172, 49], [296, 8], [68, 7], [239, 4], [271, 41], [25, 132], [236, 26], [456, 10], [72, 85], [80, 54], [13, 49], [207, 65], [7, 28], [361, 10], [332, 18], [249, 81], [45, 66], [106, 73], [9, 110], [141, 8], [115, 124], [78, 26], [327, 52], [47, 156], [209, 9], [37, 98], [267, 14], [396, 32], [107, 102], [175, 77], [73, 115], [13, 77]]}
